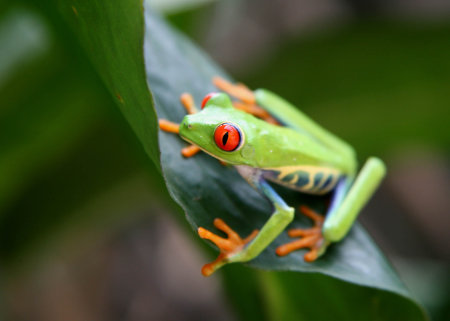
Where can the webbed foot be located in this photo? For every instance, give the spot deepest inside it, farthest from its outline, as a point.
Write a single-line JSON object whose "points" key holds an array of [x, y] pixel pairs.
{"points": [[311, 238], [229, 246]]}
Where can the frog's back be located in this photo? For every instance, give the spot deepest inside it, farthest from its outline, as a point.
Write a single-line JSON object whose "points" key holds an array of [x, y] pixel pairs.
{"points": [[297, 160], [285, 147], [291, 117]]}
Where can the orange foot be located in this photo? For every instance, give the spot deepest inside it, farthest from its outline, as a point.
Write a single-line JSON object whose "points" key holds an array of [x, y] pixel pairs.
{"points": [[311, 238], [229, 246], [168, 126]]}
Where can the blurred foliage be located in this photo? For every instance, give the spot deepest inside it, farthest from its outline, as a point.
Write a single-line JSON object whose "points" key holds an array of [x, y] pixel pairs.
{"points": [[63, 143], [104, 30], [171, 6], [302, 296], [389, 77], [391, 80], [59, 131]]}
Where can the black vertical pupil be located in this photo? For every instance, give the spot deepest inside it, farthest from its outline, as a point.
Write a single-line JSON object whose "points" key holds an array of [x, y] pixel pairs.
{"points": [[225, 138]]}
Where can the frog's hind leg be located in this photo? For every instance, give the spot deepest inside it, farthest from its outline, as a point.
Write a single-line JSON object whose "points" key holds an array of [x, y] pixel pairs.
{"points": [[187, 101], [256, 111], [228, 246], [311, 238], [247, 100], [239, 91]]}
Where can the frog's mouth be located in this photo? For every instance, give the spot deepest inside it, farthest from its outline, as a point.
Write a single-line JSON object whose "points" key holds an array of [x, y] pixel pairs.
{"points": [[204, 150], [188, 133]]}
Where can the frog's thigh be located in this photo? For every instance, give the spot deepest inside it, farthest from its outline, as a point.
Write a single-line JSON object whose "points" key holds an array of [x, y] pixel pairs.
{"points": [[280, 108], [341, 217]]}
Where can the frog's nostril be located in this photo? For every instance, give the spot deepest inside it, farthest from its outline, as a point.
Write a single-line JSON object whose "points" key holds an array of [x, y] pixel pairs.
{"points": [[186, 124]]}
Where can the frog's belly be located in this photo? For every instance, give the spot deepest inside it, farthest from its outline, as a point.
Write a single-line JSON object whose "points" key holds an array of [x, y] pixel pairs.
{"points": [[306, 179]]}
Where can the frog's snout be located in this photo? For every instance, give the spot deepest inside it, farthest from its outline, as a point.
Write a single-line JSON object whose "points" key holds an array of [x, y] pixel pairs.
{"points": [[186, 127], [186, 124]]}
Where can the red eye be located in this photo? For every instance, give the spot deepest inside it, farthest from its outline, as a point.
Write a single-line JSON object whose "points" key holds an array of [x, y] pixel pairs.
{"points": [[227, 137], [207, 97]]}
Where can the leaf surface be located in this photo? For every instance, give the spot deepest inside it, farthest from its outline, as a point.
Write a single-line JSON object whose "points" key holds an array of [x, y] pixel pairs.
{"points": [[112, 34], [204, 188]]}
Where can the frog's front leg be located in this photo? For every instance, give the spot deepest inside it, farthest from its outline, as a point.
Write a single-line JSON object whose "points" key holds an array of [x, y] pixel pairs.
{"points": [[234, 249], [229, 246], [188, 102]]}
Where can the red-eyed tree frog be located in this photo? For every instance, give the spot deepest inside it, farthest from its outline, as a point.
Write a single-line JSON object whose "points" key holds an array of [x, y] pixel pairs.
{"points": [[269, 140]]}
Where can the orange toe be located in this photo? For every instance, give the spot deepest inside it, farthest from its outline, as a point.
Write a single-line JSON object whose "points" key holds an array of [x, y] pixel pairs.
{"points": [[228, 246], [309, 238]]}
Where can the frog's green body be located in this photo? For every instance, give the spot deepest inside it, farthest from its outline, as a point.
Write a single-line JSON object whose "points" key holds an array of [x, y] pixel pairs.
{"points": [[318, 162], [306, 179], [299, 154]]}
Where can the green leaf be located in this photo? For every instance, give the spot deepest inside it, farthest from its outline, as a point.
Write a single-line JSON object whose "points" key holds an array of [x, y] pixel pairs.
{"points": [[304, 296], [270, 295], [396, 99], [57, 151], [112, 34], [171, 6], [201, 183], [204, 188], [36, 131]]}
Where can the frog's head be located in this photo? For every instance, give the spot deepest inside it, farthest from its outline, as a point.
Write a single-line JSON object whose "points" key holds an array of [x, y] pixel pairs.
{"points": [[219, 129]]}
